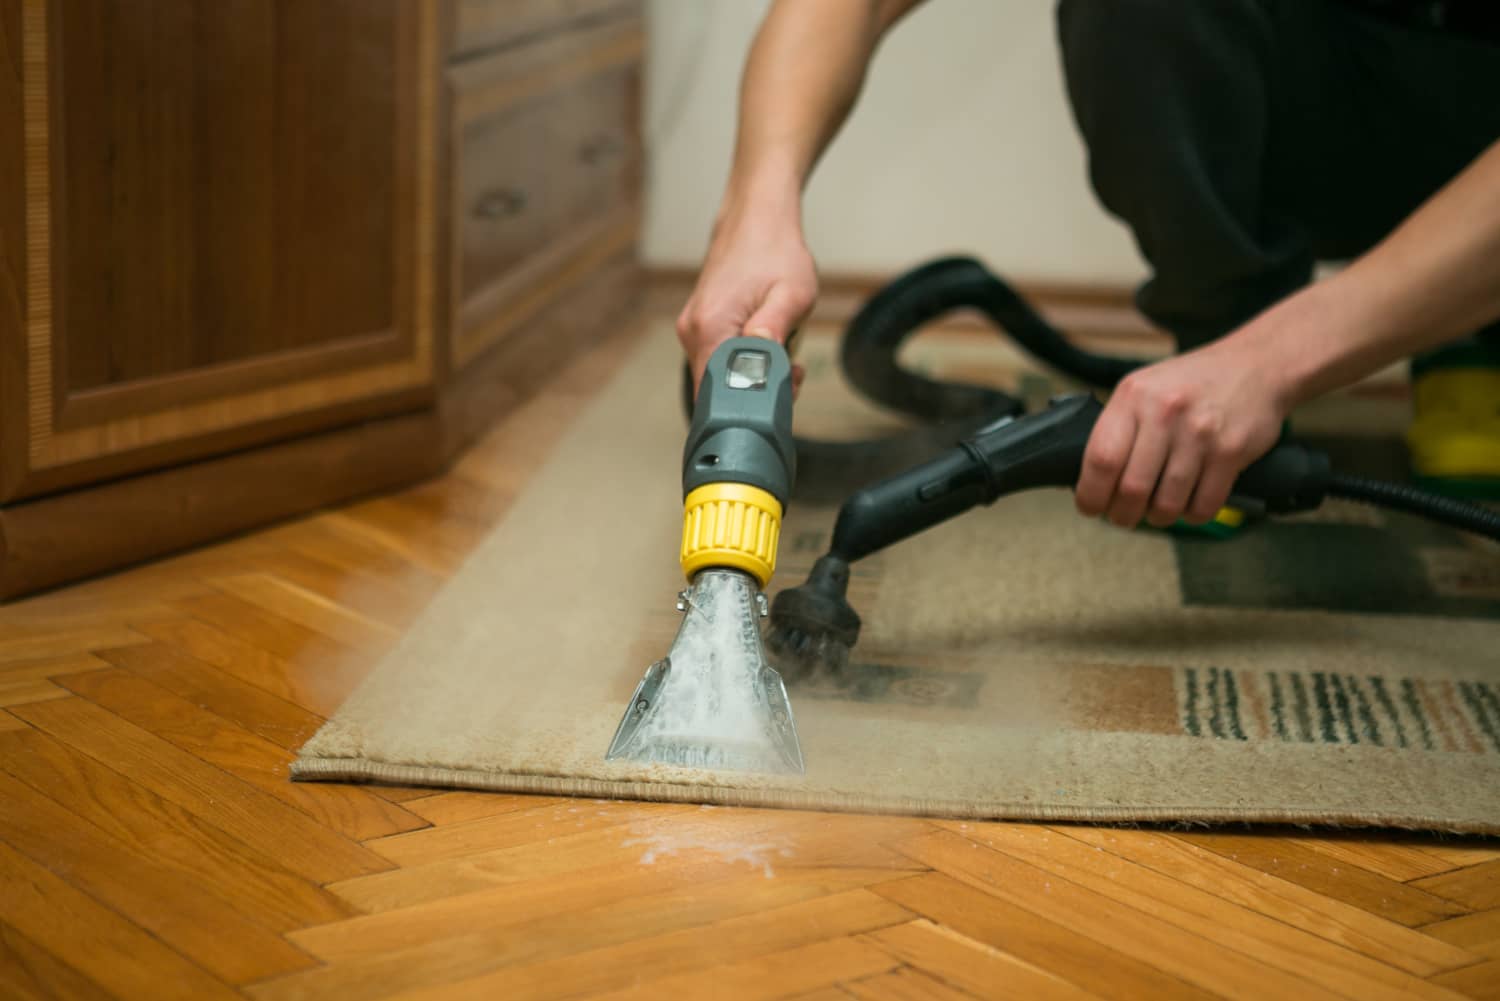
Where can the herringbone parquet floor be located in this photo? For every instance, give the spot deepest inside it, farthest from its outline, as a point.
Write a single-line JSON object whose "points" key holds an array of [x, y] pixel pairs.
{"points": [[152, 847]]}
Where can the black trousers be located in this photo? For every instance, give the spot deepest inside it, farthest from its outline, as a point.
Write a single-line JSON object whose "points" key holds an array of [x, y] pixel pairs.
{"points": [[1244, 140]]}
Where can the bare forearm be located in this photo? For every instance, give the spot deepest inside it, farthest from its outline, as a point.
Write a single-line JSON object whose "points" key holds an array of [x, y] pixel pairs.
{"points": [[804, 73], [1436, 278], [1176, 434]]}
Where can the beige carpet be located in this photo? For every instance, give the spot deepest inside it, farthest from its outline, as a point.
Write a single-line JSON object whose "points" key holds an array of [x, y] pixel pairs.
{"points": [[1342, 668]]}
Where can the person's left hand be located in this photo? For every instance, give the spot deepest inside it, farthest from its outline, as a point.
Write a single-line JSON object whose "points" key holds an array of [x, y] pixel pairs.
{"points": [[1176, 434]]}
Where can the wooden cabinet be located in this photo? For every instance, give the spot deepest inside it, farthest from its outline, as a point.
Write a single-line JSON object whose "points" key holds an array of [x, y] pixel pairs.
{"points": [[231, 230], [222, 204]]}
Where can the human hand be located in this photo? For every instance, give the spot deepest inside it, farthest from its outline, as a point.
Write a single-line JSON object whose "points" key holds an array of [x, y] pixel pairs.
{"points": [[758, 280], [1175, 435]]}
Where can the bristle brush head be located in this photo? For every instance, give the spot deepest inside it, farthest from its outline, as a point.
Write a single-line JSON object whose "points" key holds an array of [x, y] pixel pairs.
{"points": [[812, 626]]}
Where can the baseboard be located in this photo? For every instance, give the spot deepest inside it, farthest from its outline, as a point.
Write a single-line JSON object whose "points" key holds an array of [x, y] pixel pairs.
{"points": [[1092, 313], [79, 533]]}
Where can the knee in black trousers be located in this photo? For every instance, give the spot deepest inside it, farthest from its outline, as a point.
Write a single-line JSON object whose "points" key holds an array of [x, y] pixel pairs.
{"points": [[1172, 101], [1241, 139]]}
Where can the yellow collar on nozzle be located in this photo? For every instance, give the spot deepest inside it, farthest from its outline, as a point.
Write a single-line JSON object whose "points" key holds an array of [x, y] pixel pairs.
{"points": [[731, 525]]}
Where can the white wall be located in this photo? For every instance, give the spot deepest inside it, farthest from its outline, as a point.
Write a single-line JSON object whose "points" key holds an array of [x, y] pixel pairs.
{"points": [[962, 141]]}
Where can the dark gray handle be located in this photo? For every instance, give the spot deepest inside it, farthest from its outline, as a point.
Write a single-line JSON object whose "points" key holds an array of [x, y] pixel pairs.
{"points": [[600, 148], [742, 420], [500, 203]]}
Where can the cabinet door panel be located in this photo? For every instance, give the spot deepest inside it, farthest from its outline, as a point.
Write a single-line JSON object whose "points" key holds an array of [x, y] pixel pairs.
{"points": [[228, 226], [208, 154]]}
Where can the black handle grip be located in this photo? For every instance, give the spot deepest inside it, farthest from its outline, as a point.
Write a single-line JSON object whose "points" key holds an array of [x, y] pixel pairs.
{"points": [[1043, 450], [903, 505], [1289, 478]]}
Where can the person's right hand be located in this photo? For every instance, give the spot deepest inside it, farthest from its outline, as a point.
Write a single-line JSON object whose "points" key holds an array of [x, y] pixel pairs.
{"points": [[758, 280]]}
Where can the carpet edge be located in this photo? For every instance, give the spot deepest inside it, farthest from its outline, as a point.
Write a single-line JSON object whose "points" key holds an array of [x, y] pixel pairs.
{"points": [[318, 769]]}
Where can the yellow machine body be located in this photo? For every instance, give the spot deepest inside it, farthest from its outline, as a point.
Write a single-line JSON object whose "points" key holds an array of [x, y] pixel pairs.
{"points": [[1456, 433]]}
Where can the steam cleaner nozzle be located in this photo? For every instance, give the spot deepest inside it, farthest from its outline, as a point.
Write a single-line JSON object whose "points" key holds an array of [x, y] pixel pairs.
{"points": [[714, 701]]}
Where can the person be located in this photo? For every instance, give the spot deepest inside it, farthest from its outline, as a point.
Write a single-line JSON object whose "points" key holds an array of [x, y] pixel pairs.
{"points": [[1242, 141]]}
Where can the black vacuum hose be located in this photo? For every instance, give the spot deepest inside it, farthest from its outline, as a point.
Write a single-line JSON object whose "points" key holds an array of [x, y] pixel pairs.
{"points": [[927, 292], [922, 295], [828, 471], [1402, 497]]}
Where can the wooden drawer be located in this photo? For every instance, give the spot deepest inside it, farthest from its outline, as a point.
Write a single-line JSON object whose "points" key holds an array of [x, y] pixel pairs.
{"points": [[538, 171], [547, 164], [479, 25]]}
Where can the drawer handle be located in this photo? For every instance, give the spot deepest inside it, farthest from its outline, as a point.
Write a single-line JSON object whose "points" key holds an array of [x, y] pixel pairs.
{"points": [[502, 203], [600, 148]]}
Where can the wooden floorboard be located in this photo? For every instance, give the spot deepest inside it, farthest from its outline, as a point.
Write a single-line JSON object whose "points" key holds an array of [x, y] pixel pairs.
{"points": [[152, 846]]}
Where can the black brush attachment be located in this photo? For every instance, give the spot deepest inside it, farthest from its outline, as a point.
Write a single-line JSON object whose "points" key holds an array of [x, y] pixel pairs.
{"points": [[813, 627]]}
